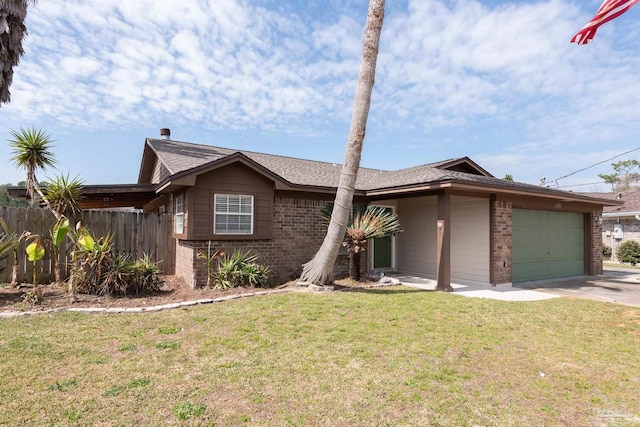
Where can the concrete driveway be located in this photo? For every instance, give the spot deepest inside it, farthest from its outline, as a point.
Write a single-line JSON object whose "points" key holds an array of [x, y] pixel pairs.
{"points": [[617, 285]]}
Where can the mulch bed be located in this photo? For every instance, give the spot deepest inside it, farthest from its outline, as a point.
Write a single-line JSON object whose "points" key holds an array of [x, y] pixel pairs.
{"points": [[173, 290]]}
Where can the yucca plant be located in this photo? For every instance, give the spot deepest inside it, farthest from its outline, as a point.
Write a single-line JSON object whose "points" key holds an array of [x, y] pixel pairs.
{"points": [[372, 223], [240, 269], [32, 151], [9, 241], [117, 273], [89, 259], [63, 194], [146, 276]]}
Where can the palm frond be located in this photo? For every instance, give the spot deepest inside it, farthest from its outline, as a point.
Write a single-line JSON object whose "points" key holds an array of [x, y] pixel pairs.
{"points": [[32, 148], [374, 223], [64, 194], [8, 240]]}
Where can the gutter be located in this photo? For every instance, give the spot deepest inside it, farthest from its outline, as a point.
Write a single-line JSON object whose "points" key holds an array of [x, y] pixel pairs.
{"points": [[621, 214]]}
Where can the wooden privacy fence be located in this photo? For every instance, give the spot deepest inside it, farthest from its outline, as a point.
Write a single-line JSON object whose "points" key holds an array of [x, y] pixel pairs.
{"points": [[132, 233]]}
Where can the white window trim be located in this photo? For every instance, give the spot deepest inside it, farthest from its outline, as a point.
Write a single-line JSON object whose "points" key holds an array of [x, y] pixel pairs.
{"points": [[179, 214], [251, 215]]}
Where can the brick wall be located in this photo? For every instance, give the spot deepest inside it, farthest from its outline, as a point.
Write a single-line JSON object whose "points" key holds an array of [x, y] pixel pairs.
{"points": [[501, 241], [596, 243], [298, 232], [630, 229]]}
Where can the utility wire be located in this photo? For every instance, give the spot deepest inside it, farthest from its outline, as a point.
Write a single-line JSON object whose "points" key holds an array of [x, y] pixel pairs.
{"points": [[582, 185], [593, 165]]}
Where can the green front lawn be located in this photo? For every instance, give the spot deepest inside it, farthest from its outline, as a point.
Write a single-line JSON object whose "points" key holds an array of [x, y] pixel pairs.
{"points": [[396, 356]]}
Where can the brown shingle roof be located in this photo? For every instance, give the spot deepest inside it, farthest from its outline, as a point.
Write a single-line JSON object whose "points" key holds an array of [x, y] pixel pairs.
{"points": [[631, 200], [182, 156]]}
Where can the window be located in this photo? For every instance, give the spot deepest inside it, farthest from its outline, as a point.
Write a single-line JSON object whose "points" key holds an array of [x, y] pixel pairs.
{"points": [[179, 214], [233, 214]]}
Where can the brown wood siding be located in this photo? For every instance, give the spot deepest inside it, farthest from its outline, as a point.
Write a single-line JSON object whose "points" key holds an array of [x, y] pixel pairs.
{"points": [[232, 179], [159, 173]]}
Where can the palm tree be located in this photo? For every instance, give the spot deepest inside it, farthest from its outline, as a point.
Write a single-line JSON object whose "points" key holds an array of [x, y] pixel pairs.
{"points": [[375, 222], [31, 151], [12, 32], [320, 269]]}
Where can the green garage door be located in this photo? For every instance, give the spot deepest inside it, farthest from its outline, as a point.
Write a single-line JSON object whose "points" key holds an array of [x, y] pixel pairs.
{"points": [[547, 245]]}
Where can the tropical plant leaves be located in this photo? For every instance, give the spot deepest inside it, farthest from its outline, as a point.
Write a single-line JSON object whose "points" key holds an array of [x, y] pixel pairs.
{"points": [[86, 242], [35, 251], [60, 231]]}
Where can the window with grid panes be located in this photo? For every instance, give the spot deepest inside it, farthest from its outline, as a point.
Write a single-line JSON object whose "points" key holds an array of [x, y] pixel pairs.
{"points": [[179, 214], [232, 214]]}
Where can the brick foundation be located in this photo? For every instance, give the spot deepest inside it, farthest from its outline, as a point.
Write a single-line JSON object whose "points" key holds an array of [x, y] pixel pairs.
{"points": [[298, 233]]}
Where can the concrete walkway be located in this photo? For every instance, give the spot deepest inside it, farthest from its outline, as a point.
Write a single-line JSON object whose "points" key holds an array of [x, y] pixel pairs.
{"points": [[504, 292]]}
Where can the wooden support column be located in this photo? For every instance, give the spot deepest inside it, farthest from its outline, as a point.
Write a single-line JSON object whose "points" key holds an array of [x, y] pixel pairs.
{"points": [[444, 242]]}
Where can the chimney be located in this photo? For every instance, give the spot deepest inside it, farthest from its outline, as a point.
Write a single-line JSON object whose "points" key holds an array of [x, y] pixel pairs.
{"points": [[165, 133]]}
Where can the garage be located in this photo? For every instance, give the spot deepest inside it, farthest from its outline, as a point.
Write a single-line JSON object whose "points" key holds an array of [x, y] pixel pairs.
{"points": [[546, 245], [470, 240]]}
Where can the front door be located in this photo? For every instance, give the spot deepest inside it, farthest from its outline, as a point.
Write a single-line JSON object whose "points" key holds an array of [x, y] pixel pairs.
{"points": [[382, 251]]}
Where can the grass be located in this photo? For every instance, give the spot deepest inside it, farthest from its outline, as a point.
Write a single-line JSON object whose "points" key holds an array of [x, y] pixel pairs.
{"points": [[620, 265], [386, 357]]}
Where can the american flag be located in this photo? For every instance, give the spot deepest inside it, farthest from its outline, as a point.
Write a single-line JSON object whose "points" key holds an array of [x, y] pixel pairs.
{"points": [[609, 10]]}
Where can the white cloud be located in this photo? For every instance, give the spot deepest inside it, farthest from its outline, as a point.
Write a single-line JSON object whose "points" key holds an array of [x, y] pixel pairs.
{"points": [[266, 65]]}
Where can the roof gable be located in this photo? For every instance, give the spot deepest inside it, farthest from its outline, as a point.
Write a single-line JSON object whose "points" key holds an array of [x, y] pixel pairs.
{"points": [[462, 164]]}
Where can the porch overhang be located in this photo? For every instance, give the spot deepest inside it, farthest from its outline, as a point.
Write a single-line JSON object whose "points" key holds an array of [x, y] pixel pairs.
{"points": [[106, 196]]}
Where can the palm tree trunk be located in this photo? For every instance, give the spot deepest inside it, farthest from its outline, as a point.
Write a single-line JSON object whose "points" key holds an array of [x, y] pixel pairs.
{"points": [[12, 32], [354, 266], [320, 269], [15, 272]]}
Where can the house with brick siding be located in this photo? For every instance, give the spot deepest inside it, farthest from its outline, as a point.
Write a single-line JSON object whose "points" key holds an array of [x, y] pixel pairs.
{"points": [[461, 224], [620, 222]]}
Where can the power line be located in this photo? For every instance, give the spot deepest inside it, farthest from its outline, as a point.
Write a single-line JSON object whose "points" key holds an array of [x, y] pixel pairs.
{"points": [[593, 165], [582, 185]]}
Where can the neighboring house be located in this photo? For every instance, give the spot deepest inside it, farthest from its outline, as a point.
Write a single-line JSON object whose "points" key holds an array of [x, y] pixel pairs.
{"points": [[460, 223], [620, 223]]}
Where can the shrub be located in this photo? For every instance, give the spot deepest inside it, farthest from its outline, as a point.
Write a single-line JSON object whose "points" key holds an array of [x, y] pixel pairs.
{"points": [[99, 271], [606, 252], [629, 252], [146, 276], [241, 269]]}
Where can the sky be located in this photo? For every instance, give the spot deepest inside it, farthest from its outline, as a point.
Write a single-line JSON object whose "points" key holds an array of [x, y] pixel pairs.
{"points": [[497, 81]]}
